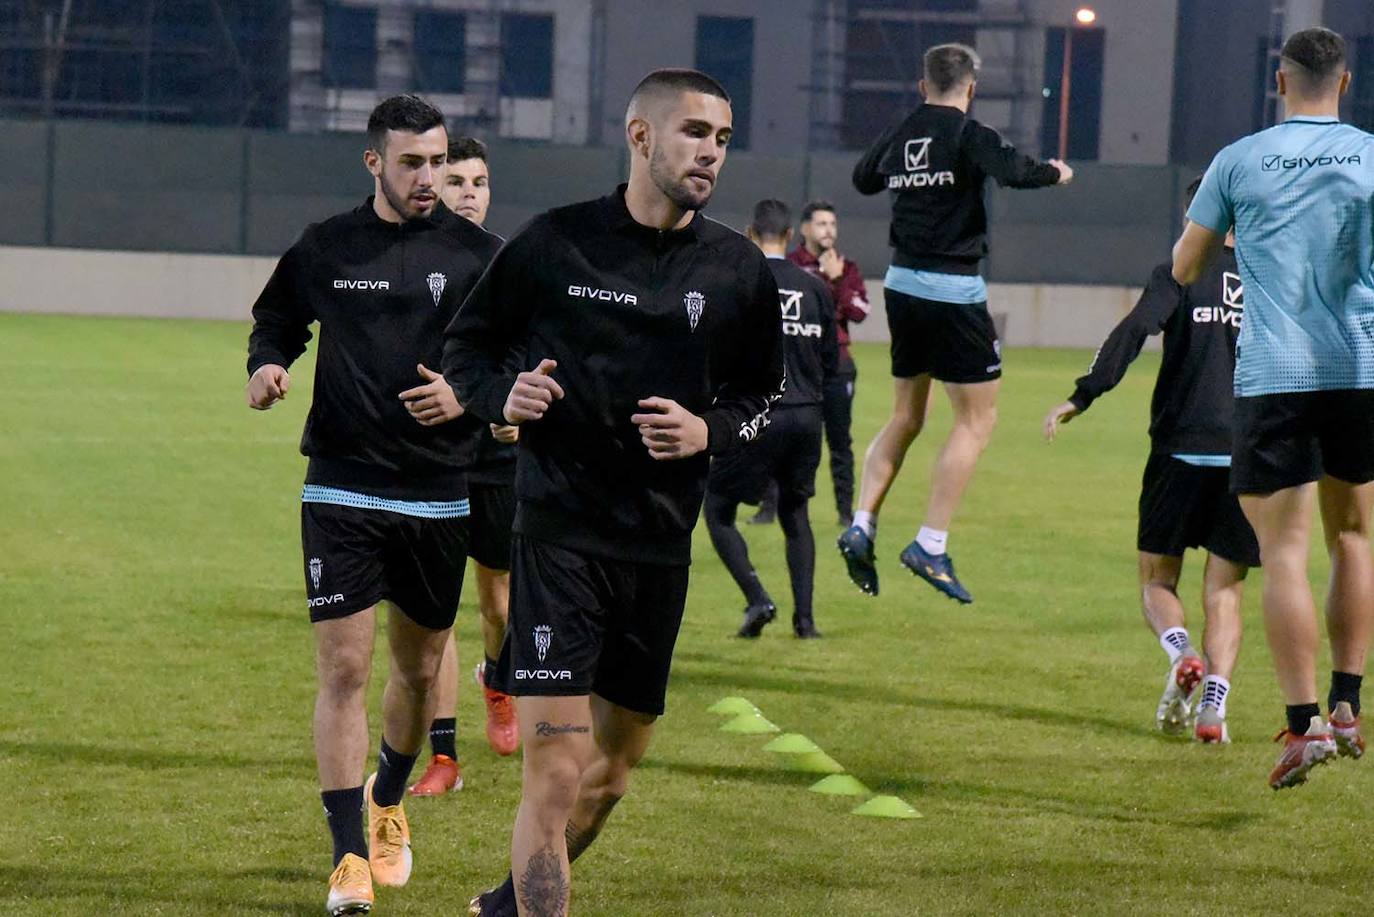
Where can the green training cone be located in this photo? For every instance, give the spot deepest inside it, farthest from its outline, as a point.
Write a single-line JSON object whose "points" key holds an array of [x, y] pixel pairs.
{"points": [[816, 762], [886, 807], [792, 743], [840, 785], [732, 706], [749, 724]]}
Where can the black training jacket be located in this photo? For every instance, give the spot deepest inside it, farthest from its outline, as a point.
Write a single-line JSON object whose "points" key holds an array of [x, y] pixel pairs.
{"points": [[629, 312], [936, 162], [1193, 401], [383, 294], [810, 350]]}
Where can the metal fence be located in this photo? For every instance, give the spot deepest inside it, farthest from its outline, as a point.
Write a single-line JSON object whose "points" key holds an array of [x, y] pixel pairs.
{"points": [[190, 189]]}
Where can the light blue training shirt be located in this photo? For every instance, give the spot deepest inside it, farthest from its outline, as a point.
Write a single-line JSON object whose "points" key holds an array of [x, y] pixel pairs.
{"points": [[1301, 198]]}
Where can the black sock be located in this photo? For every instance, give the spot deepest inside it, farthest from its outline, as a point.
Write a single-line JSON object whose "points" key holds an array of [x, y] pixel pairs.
{"points": [[1300, 717], [500, 901], [393, 770], [489, 673], [343, 810], [1345, 686], [441, 737]]}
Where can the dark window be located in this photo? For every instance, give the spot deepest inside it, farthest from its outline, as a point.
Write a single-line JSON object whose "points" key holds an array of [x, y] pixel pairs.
{"points": [[725, 51], [440, 50], [1085, 56], [1362, 84], [526, 56], [868, 113], [350, 47], [1264, 78]]}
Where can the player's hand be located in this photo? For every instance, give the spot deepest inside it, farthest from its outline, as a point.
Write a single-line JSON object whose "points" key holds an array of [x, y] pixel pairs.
{"points": [[434, 402], [532, 394], [1065, 171], [505, 433], [1060, 413], [831, 264], [268, 385], [669, 430]]}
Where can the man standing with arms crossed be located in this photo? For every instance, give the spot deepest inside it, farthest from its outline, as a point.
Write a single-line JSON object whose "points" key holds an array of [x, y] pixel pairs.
{"points": [[1298, 196], [383, 511], [652, 342], [491, 495], [935, 163]]}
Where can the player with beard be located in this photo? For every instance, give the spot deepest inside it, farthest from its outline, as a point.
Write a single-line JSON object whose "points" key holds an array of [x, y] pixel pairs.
{"points": [[491, 492], [384, 507], [652, 343]]}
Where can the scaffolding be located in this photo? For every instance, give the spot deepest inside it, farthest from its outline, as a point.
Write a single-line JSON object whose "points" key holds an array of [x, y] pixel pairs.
{"points": [[868, 53]]}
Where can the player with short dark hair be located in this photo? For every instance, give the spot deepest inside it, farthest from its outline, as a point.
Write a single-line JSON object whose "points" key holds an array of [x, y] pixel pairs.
{"points": [[789, 450], [1185, 501], [820, 230], [935, 163], [649, 338], [384, 507], [491, 481], [1297, 196]]}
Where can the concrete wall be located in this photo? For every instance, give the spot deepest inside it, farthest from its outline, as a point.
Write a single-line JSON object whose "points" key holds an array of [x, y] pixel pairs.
{"points": [[85, 282]]}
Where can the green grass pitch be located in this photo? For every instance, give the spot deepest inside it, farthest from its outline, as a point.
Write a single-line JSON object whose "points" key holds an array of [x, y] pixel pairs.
{"points": [[154, 740]]}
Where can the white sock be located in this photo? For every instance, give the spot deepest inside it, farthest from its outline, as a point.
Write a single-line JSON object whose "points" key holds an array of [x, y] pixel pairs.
{"points": [[1214, 691], [932, 541], [868, 522], [1175, 642]]}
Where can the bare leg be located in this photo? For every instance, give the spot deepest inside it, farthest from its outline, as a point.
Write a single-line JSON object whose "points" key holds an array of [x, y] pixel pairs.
{"points": [[1283, 524], [493, 603], [444, 697], [622, 738], [886, 453], [343, 663], [975, 416], [557, 733], [406, 702], [1159, 575], [1223, 584], [1345, 510]]}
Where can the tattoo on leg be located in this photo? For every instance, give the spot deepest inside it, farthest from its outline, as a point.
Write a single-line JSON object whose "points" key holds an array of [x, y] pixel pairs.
{"points": [[549, 729], [579, 839], [543, 886]]}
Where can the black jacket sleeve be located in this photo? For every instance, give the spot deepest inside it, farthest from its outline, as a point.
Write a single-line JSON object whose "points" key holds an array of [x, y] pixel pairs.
{"points": [[867, 179], [1151, 313], [750, 375], [479, 344], [830, 341], [282, 314], [999, 159]]}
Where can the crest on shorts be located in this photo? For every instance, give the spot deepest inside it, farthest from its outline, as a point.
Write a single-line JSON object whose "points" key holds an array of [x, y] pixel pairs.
{"points": [[696, 304], [436, 282], [543, 638], [316, 571]]}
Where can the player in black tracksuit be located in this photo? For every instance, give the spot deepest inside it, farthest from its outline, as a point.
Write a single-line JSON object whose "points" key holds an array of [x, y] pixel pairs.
{"points": [[789, 450], [651, 342], [1185, 501], [385, 499], [935, 163]]}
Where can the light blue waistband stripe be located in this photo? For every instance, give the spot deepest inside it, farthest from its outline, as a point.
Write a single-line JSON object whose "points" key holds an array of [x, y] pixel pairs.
{"points": [[422, 509], [1204, 461], [956, 288]]}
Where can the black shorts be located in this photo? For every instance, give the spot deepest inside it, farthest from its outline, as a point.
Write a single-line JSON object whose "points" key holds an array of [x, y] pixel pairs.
{"points": [[354, 558], [590, 625], [493, 513], [1189, 506], [788, 451], [1294, 438], [952, 342]]}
